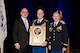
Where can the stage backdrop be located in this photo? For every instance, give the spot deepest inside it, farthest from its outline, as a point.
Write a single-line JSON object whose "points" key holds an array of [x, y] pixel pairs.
{"points": [[69, 16]]}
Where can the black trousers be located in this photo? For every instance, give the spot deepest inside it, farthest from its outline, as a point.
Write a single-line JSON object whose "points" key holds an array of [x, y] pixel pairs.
{"points": [[27, 49]]}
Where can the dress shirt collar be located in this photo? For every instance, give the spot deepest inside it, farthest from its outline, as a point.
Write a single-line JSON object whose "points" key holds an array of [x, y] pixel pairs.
{"points": [[40, 19], [56, 22], [24, 19]]}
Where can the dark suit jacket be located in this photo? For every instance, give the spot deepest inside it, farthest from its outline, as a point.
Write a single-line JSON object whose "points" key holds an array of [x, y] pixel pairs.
{"points": [[20, 35]]}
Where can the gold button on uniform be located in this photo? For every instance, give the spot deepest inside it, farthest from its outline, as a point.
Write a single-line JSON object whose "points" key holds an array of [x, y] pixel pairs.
{"points": [[53, 36], [53, 39], [54, 30], [53, 33], [49, 42]]}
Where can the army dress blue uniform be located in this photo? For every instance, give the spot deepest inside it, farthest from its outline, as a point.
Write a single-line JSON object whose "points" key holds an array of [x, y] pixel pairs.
{"points": [[40, 49], [57, 37]]}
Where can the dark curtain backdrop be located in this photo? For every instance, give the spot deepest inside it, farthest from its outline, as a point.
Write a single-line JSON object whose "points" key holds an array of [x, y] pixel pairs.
{"points": [[70, 9]]}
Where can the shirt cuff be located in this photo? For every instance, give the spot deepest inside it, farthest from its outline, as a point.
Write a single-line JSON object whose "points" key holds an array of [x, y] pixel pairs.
{"points": [[65, 45], [16, 44]]}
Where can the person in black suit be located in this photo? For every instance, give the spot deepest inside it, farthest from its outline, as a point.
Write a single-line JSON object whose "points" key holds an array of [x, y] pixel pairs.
{"points": [[40, 21], [21, 32], [58, 35]]}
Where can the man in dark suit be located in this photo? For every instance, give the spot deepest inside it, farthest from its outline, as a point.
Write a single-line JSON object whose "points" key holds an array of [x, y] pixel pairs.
{"points": [[21, 32], [40, 21], [58, 36]]}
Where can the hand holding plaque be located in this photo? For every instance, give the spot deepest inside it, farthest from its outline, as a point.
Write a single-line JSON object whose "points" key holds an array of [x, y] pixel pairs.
{"points": [[44, 44]]}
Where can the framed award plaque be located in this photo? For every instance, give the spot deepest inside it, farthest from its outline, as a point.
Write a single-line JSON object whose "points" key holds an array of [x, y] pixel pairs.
{"points": [[37, 35]]}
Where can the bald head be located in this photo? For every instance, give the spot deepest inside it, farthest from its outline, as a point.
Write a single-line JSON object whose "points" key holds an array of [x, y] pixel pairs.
{"points": [[24, 12], [40, 13]]}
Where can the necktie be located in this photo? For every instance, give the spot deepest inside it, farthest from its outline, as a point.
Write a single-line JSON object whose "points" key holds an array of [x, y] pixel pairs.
{"points": [[26, 24], [39, 22], [54, 24]]}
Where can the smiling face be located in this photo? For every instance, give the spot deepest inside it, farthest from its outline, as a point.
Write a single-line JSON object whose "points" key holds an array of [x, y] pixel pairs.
{"points": [[24, 12], [40, 13], [56, 16]]}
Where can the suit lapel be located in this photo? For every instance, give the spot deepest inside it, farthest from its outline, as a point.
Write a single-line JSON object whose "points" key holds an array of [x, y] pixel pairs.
{"points": [[36, 23], [42, 21], [29, 24], [22, 23], [58, 24]]}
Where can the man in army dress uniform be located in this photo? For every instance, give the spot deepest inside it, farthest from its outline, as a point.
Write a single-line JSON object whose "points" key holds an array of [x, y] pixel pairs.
{"points": [[40, 21], [58, 36]]}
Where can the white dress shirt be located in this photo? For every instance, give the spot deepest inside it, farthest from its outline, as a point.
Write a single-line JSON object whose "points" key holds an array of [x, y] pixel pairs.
{"points": [[26, 23], [39, 20], [56, 23]]}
